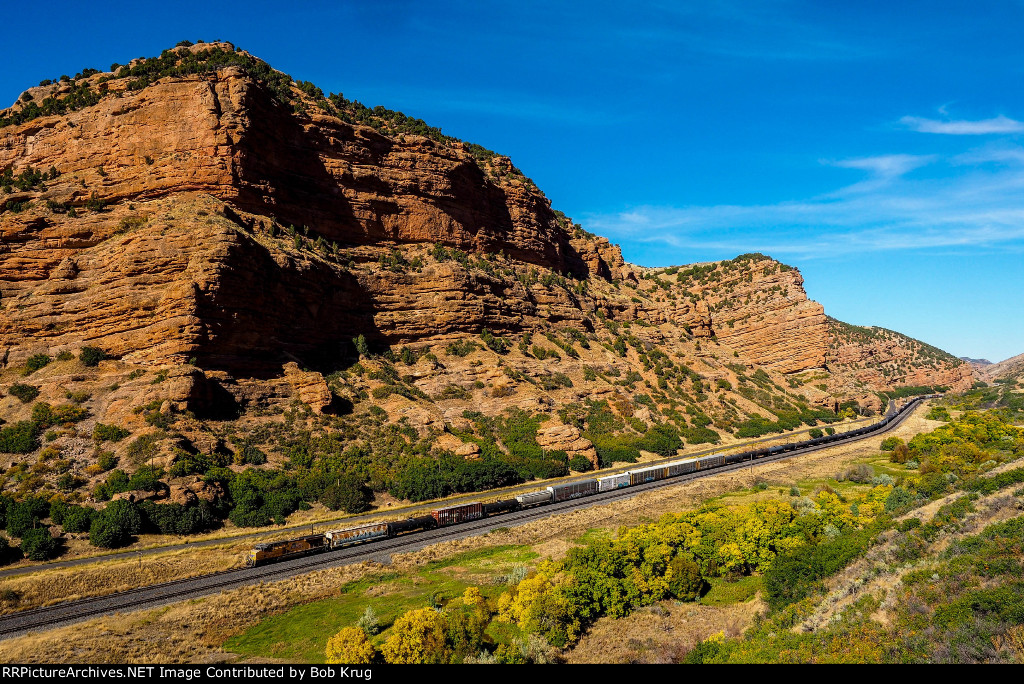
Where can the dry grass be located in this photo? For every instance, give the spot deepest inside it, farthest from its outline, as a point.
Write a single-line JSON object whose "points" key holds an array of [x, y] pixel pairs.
{"points": [[190, 631], [97, 579], [663, 633]]}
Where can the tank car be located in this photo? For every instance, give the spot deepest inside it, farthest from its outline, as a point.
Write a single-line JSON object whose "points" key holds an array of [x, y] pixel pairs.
{"points": [[498, 507], [423, 522], [534, 498]]}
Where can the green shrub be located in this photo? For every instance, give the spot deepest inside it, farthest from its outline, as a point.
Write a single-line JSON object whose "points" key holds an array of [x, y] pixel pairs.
{"points": [[555, 381], [932, 485], [700, 435], [463, 348], [115, 483], [262, 497], [580, 463], [687, 582], [36, 362], [107, 460], [78, 519], [158, 419], [349, 493], [7, 555], [172, 518], [145, 447], [20, 438], [794, 575], [44, 415], [615, 448], [189, 464], [23, 516], [115, 525], [661, 439], [25, 393], [38, 545], [454, 392], [109, 433], [545, 353], [899, 500], [91, 356], [362, 348], [252, 455], [146, 478], [890, 443], [68, 482], [498, 344]]}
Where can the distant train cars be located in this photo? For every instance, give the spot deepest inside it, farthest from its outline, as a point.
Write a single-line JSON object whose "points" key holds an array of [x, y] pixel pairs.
{"points": [[269, 552]]}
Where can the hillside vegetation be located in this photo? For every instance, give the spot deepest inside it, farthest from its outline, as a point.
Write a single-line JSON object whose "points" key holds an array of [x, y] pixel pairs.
{"points": [[918, 560]]}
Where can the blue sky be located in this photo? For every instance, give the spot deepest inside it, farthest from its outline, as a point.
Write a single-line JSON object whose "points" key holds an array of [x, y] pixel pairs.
{"points": [[877, 146]]}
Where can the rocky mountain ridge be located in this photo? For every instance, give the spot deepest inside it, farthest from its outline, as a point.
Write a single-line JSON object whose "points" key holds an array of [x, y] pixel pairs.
{"points": [[257, 261], [1011, 369]]}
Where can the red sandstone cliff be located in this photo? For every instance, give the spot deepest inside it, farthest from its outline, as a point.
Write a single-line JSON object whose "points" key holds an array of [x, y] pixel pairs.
{"points": [[207, 215]]}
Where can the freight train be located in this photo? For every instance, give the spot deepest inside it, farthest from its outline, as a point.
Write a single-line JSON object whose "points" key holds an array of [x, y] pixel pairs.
{"points": [[453, 515]]}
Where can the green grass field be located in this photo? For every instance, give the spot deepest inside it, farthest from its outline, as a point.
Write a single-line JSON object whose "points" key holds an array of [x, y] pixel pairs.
{"points": [[301, 633]]}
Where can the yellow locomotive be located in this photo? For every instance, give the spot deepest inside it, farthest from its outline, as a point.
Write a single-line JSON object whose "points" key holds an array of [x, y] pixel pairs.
{"points": [[290, 548]]}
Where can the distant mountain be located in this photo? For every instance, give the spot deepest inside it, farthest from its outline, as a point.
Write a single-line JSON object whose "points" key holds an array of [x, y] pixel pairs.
{"points": [[1009, 369], [977, 363]]}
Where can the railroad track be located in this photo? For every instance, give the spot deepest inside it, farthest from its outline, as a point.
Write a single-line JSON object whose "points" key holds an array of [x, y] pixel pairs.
{"points": [[346, 521], [204, 585]]}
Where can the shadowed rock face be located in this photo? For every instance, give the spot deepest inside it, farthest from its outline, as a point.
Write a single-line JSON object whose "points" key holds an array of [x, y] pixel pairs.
{"points": [[150, 279], [188, 282]]}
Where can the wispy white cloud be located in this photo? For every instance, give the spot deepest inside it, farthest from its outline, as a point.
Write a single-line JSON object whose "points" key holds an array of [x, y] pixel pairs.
{"points": [[974, 207], [883, 171], [886, 166], [994, 154], [1000, 124]]}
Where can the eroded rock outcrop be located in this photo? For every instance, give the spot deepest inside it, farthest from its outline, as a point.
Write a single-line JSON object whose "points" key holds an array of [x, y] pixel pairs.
{"points": [[309, 387], [567, 438]]}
